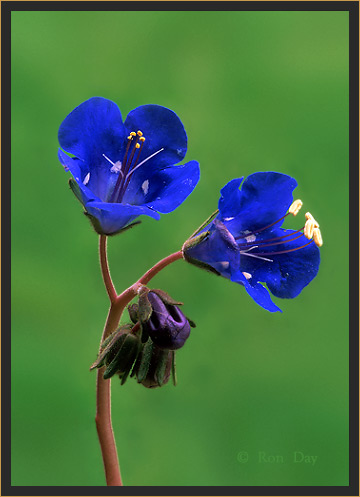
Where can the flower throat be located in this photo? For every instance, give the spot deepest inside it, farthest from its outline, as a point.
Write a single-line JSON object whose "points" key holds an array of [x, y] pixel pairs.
{"points": [[135, 143]]}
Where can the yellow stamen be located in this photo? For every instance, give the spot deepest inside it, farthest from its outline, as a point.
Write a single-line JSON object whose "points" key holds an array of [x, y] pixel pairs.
{"points": [[137, 145], [309, 229], [133, 133], [142, 138], [310, 216], [139, 133], [295, 207], [317, 237]]}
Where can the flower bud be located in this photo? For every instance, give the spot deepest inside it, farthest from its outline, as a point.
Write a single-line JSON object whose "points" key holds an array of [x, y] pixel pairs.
{"points": [[167, 326], [119, 353], [154, 366]]}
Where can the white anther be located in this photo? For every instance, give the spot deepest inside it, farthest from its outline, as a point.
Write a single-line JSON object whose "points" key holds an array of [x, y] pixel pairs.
{"points": [[116, 168], [295, 207], [250, 238], [145, 186], [86, 179], [309, 216], [317, 237], [309, 229], [228, 218], [247, 275]]}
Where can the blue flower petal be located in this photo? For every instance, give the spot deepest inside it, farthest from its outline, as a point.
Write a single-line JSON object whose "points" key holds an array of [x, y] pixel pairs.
{"points": [[79, 171], [289, 272], [256, 291], [162, 129], [77, 167], [264, 198], [92, 129], [229, 203], [163, 190], [114, 217]]}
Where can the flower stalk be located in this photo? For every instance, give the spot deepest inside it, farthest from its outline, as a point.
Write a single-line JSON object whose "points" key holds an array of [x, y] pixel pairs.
{"points": [[103, 387]]}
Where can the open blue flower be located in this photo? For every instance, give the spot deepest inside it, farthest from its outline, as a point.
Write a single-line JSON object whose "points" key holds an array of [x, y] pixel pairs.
{"points": [[246, 243], [123, 170]]}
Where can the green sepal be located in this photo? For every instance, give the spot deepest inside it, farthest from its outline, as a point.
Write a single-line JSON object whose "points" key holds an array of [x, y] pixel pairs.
{"points": [[76, 190], [95, 223], [108, 344], [160, 371], [205, 223], [165, 297], [144, 362], [125, 328], [133, 310], [194, 241], [173, 369], [145, 309], [125, 357], [124, 376], [200, 264]]}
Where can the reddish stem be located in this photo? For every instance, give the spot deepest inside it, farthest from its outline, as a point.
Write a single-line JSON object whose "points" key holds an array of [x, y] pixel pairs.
{"points": [[105, 269], [103, 412], [103, 397]]}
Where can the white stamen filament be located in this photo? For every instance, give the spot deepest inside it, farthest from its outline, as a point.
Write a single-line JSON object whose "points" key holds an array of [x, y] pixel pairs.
{"points": [[245, 252], [107, 158], [143, 162]]}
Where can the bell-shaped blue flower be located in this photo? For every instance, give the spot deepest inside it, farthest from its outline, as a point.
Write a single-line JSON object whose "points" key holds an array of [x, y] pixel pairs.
{"points": [[246, 243], [124, 170]]}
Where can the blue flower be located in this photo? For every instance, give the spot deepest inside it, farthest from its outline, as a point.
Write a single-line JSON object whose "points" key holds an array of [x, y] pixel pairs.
{"points": [[124, 170], [246, 243]]}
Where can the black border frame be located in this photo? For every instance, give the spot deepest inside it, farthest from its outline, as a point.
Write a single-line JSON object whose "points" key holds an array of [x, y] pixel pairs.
{"points": [[353, 8]]}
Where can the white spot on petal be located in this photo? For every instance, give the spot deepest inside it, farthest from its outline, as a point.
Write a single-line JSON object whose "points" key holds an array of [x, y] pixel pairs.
{"points": [[86, 179], [247, 275], [224, 264], [145, 186], [228, 218]]}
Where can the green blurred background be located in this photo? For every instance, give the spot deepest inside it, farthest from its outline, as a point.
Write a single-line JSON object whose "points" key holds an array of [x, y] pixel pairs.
{"points": [[256, 91]]}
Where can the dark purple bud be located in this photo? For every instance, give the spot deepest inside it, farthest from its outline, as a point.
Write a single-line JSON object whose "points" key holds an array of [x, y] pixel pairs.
{"points": [[167, 326]]}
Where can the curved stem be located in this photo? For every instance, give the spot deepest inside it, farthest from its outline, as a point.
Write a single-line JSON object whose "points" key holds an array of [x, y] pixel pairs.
{"points": [[105, 269], [103, 411], [159, 266], [103, 392]]}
